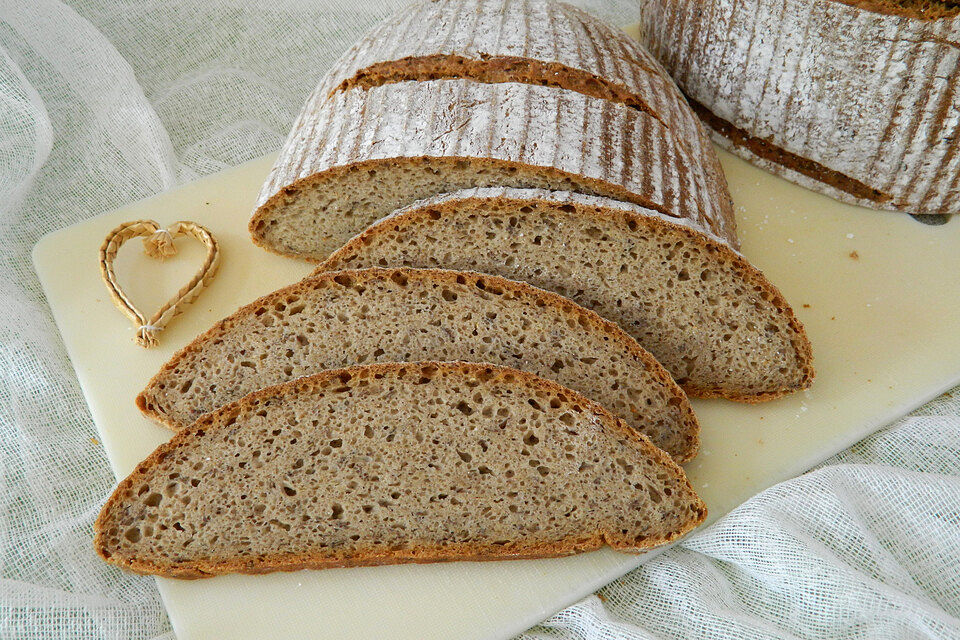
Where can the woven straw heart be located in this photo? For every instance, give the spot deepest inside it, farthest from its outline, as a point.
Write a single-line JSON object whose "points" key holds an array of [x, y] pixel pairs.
{"points": [[157, 243]]}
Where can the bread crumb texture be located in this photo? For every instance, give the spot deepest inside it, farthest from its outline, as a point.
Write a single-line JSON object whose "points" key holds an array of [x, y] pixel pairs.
{"points": [[525, 94], [347, 318], [395, 463], [714, 322]]}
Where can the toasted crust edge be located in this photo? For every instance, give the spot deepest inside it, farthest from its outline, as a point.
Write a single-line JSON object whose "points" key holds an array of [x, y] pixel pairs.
{"points": [[747, 271], [524, 289], [211, 422]]}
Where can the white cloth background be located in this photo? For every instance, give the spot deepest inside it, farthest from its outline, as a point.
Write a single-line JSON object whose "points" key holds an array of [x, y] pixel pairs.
{"points": [[103, 102]]}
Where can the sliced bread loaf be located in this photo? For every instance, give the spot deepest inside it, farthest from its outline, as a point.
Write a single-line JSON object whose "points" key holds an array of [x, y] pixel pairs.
{"points": [[395, 463], [361, 154], [347, 318], [704, 312], [537, 42], [853, 98], [531, 41]]}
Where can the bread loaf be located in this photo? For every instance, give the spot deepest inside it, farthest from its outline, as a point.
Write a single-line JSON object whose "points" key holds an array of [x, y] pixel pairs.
{"points": [[421, 138], [364, 153], [857, 99], [395, 463], [529, 41], [697, 305], [537, 42], [347, 318]]}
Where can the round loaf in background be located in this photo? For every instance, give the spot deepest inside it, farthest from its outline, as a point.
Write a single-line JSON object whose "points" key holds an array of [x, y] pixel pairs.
{"points": [[855, 99]]}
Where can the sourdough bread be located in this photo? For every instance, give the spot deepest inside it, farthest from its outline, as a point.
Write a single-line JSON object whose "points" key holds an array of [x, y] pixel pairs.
{"points": [[348, 318], [395, 463], [363, 153], [697, 305], [855, 99], [528, 41]]}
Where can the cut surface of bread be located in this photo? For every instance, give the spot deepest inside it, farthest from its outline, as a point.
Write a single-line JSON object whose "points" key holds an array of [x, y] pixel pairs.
{"points": [[391, 463], [699, 307], [536, 42], [356, 157], [853, 98], [348, 318]]}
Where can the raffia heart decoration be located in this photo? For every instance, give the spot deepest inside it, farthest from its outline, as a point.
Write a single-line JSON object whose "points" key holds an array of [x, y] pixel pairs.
{"points": [[157, 243]]}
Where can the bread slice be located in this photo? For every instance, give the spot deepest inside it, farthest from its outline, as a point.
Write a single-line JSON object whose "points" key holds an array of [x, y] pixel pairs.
{"points": [[361, 154], [854, 98], [347, 318], [536, 42], [391, 463], [697, 305]]}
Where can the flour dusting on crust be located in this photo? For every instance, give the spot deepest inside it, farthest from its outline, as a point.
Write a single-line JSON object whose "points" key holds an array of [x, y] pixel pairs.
{"points": [[870, 98]]}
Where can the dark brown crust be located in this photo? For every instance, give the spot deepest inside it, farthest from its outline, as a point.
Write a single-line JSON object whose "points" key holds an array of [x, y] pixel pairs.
{"points": [[210, 422], [744, 269], [548, 298], [768, 151], [279, 563], [313, 181], [497, 69], [913, 9]]}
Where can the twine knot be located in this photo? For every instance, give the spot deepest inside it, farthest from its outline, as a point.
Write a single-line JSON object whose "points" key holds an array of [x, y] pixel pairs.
{"points": [[159, 244], [147, 335]]}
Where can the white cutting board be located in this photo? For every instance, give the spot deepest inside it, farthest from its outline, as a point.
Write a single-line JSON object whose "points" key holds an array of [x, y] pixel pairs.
{"points": [[885, 328]]}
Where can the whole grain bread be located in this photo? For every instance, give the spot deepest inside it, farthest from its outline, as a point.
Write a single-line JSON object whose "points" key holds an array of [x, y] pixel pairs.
{"points": [[530, 41], [537, 42], [854, 98], [713, 320], [914, 9], [395, 463], [363, 153], [347, 318]]}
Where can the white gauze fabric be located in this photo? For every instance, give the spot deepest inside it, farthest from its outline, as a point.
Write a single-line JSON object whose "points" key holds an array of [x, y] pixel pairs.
{"points": [[865, 547], [103, 102]]}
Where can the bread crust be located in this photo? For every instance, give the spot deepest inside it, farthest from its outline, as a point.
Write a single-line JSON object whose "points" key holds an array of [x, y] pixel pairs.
{"points": [[521, 289], [527, 41], [914, 9], [857, 99], [600, 209], [554, 33], [561, 134], [211, 422]]}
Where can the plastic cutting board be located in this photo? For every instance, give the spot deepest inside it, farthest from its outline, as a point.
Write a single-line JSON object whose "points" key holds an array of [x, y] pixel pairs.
{"points": [[879, 294]]}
